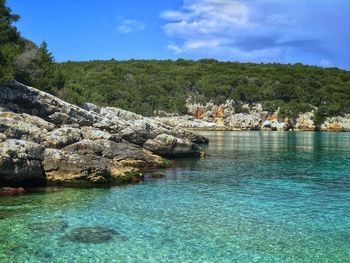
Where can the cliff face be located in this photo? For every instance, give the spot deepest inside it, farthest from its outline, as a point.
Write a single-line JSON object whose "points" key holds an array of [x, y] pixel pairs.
{"points": [[45, 140], [224, 117]]}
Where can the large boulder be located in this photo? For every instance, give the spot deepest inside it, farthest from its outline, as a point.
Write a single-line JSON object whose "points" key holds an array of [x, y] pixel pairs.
{"points": [[66, 168], [62, 137], [97, 162], [23, 99], [20, 163], [168, 145], [24, 127], [118, 152], [75, 169]]}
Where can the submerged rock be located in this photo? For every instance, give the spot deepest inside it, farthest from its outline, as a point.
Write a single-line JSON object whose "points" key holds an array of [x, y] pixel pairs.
{"points": [[157, 175], [6, 191], [92, 235], [48, 226]]}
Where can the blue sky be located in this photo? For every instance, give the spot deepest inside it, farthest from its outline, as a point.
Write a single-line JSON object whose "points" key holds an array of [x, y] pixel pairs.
{"points": [[313, 32]]}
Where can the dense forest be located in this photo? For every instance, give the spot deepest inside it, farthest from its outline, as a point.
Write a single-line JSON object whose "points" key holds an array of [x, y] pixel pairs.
{"points": [[144, 86]]}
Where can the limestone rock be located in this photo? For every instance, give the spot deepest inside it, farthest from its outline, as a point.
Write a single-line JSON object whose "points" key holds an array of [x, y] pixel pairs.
{"points": [[337, 124], [138, 129], [78, 169], [3, 137], [23, 99], [117, 152], [24, 127], [91, 133], [305, 122], [91, 107], [168, 145], [62, 137], [244, 121], [20, 163], [66, 168]]}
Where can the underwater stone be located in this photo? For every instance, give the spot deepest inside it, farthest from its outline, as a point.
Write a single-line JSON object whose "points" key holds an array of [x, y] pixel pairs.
{"points": [[93, 235]]}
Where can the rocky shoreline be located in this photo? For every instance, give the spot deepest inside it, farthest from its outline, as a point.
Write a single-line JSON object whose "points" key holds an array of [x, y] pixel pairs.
{"points": [[211, 117], [47, 141]]}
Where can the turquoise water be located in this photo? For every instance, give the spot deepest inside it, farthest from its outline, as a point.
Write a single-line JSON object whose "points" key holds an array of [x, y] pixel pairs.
{"points": [[258, 197]]}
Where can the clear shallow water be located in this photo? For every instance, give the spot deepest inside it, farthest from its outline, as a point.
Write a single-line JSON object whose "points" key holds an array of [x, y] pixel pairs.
{"points": [[258, 197]]}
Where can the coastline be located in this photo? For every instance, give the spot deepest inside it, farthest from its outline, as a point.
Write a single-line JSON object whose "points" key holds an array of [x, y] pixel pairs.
{"points": [[47, 141]]}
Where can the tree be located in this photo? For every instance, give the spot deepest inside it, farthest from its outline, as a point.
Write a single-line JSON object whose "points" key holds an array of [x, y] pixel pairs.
{"points": [[9, 38], [8, 33]]}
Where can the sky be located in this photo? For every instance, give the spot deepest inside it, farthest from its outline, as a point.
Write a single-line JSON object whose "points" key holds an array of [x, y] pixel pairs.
{"points": [[314, 32]]}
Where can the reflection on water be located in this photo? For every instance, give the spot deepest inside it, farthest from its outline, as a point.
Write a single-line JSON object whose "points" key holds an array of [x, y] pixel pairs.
{"points": [[258, 197]]}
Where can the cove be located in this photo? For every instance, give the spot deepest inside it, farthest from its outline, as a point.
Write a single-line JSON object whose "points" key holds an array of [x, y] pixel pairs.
{"points": [[257, 197]]}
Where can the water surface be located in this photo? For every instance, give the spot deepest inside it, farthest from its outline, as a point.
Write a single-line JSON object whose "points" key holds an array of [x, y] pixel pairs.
{"points": [[258, 197]]}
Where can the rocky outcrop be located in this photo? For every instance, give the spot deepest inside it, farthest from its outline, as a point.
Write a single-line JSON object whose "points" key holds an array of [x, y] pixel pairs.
{"points": [[21, 163], [138, 129], [24, 126], [23, 99], [71, 169], [337, 124], [186, 121], [91, 133], [118, 152], [305, 122], [169, 145], [44, 140], [97, 162], [250, 117], [62, 137]]}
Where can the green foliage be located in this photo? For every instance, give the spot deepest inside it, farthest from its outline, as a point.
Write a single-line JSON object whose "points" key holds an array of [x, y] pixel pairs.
{"points": [[8, 33], [293, 108], [9, 38], [325, 111], [24, 61], [145, 86]]}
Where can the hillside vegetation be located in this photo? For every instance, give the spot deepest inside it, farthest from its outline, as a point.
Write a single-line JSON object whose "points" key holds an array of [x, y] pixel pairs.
{"points": [[144, 86]]}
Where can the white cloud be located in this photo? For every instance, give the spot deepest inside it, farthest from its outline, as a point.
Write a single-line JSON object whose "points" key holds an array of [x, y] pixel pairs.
{"points": [[235, 29], [127, 26]]}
